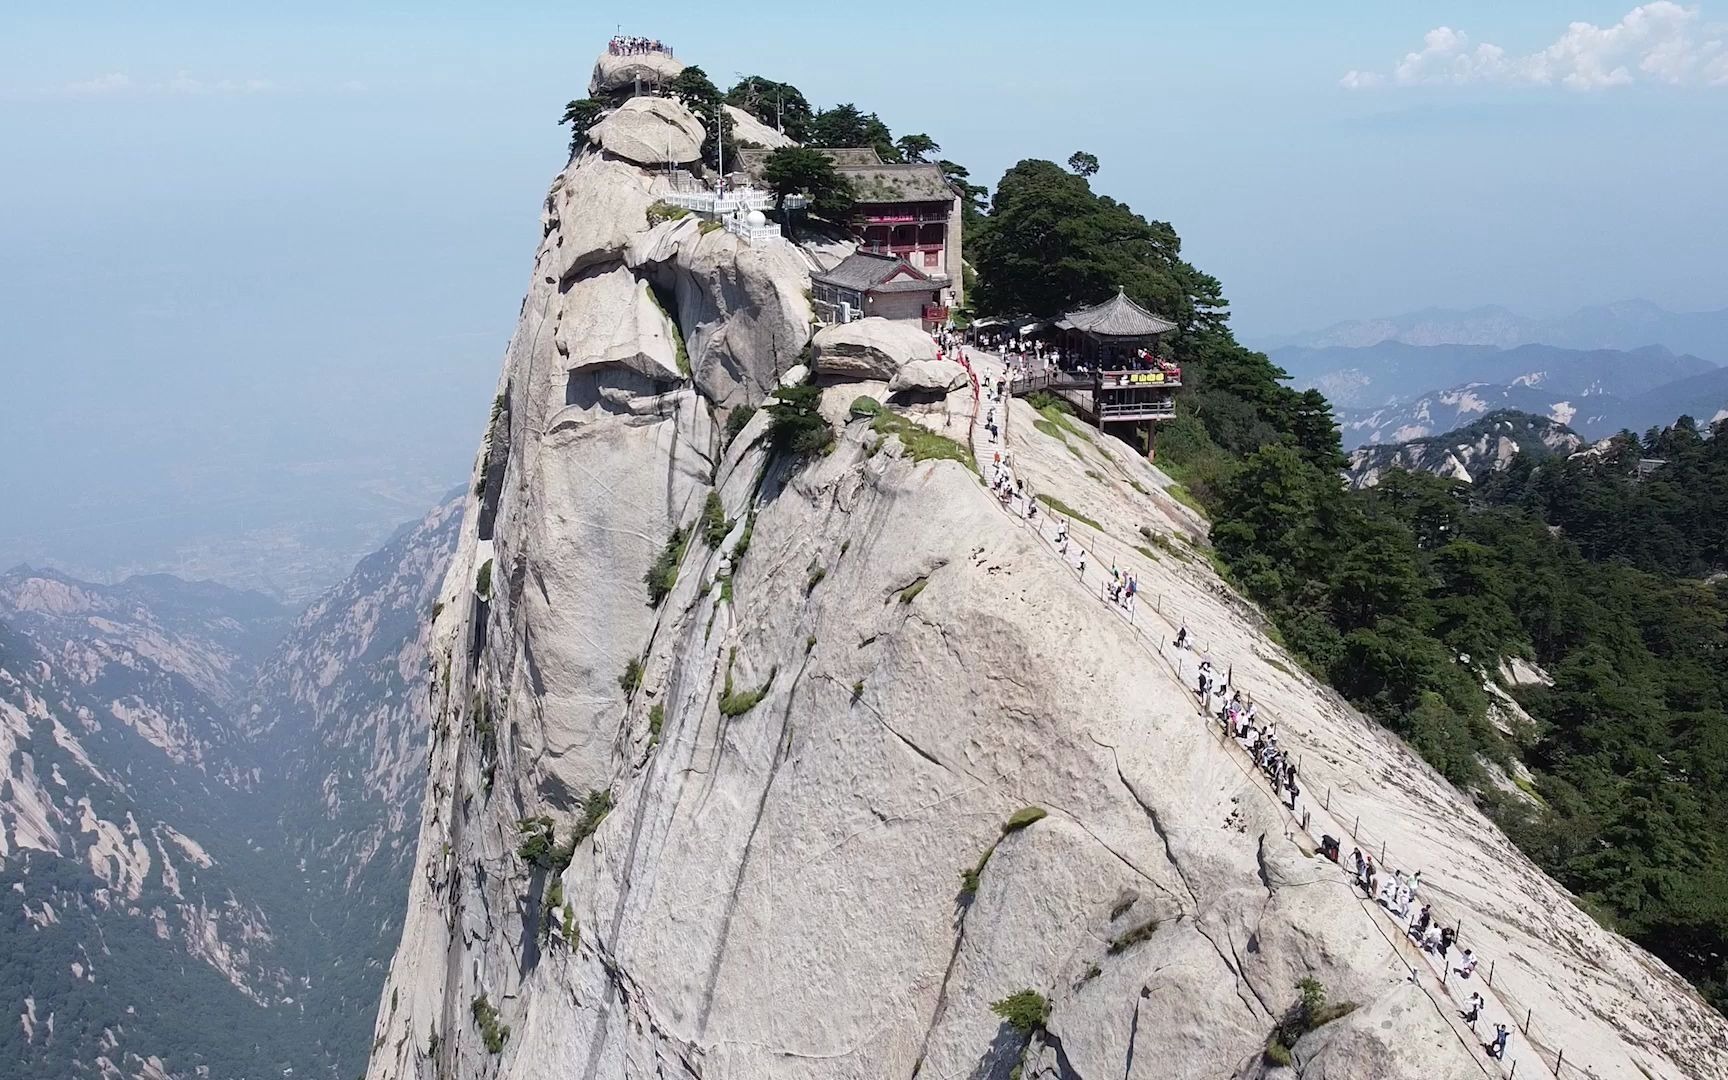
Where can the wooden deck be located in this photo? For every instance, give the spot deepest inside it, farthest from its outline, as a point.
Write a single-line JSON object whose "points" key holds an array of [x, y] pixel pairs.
{"points": [[1077, 390]]}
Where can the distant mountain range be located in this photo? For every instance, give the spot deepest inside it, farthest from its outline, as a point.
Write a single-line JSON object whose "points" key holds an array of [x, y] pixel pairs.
{"points": [[1627, 325], [1392, 372], [1393, 391], [208, 810], [1488, 444]]}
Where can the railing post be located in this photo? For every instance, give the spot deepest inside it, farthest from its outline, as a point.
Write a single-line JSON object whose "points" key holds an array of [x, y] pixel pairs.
{"points": [[1491, 983], [1559, 1060], [1328, 798], [1527, 1014], [1382, 853], [1358, 827]]}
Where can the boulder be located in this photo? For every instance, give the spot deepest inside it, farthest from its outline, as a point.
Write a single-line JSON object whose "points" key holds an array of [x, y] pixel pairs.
{"points": [[594, 210], [928, 376], [650, 131], [748, 129], [616, 73], [872, 348], [620, 322]]}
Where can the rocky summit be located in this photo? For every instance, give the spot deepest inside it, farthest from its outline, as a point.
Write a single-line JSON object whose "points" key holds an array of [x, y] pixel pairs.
{"points": [[747, 763]]}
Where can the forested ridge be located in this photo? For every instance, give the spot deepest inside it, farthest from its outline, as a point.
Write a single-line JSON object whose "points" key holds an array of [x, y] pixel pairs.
{"points": [[1409, 596]]}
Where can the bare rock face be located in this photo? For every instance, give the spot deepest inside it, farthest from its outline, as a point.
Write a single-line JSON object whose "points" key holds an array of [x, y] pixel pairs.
{"points": [[873, 348], [594, 209], [650, 131], [613, 74], [747, 129], [745, 310], [781, 713]]}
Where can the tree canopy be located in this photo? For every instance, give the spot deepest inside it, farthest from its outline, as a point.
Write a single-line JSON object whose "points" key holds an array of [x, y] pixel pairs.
{"points": [[581, 115], [1053, 244], [917, 148], [844, 125], [1082, 163], [773, 103], [802, 170]]}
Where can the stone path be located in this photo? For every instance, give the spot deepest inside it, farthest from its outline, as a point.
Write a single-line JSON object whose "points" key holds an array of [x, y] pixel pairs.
{"points": [[1432, 974]]}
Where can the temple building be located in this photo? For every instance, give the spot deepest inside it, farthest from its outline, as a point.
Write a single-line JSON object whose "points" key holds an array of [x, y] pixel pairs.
{"points": [[868, 283], [909, 212], [1118, 342]]}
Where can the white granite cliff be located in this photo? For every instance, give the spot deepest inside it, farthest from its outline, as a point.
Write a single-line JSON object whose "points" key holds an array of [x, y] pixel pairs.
{"points": [[776, 890]]}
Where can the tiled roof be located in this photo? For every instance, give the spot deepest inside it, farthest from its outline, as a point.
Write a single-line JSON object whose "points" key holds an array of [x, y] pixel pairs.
{"points": [[1118, 317], [866, 271]]}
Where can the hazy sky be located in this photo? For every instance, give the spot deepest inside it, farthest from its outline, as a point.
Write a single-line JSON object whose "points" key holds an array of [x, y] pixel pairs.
{"points": [[257, 251]]}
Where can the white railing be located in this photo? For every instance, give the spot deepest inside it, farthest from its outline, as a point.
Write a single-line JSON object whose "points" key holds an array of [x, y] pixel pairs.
{"points": [[752, 234], [692, 194]]}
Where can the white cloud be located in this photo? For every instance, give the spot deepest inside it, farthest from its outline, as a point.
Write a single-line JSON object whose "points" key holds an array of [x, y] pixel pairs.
{"points": [[1661, 42], [115, 82]]}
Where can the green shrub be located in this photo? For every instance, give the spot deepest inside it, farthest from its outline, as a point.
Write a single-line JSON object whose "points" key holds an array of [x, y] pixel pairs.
{"points": [[910, 592], [708, 226], [664, 573], [483, 580], [595, 806], [492, 1033], [631, 680], [535, 848], [1026, 1011], [1023, 817], [1063, 508], [815, 579], [864, 405], [969, 877], [737, 420], [857, 689], [743, 543], [572, 932], [1130, 938], [662, 211], [656, 718], [437, 609], [920, 442], [714, 523], [1309, 1012], [738, 702], [797, 426]]}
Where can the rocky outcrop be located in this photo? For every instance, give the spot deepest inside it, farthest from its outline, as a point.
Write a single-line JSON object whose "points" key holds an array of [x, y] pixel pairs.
{"points": [[873, 348], [745, 310], [784, 714], [616, 74], [928, 377], [747, 129], [650, 131]]}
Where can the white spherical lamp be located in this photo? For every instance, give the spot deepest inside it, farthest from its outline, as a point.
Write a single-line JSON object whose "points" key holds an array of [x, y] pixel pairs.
{"points": [[756, 217]]}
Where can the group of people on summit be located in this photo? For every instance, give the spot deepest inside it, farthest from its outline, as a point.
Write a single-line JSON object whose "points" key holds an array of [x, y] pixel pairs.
{"points": [[636, 46]]}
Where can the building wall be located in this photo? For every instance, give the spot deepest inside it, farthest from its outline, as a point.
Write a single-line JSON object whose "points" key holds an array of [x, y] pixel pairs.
{"points": [[954, 256], [900, 306]]}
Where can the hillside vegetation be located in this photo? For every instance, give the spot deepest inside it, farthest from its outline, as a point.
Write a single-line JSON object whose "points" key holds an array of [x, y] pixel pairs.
{"points": [[1407, 597]]}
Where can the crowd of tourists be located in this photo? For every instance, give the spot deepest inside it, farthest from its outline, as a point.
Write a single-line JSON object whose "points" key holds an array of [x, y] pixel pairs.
{"points": [[1399, 894], [1241, 719], [637, 46]]}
